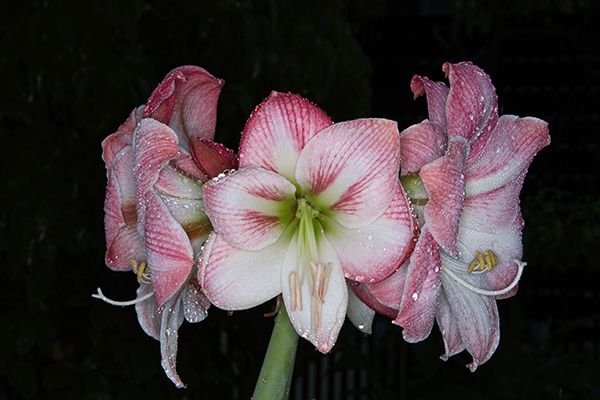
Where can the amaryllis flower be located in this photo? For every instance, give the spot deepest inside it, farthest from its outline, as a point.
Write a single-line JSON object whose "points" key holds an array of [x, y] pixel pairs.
{"points": [[463, 170], [314, 203], [154, 214]]}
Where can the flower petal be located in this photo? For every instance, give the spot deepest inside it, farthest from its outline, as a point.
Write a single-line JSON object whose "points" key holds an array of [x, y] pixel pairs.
{"points": [[114, 143], [421, 290], [349, 171], [235, 279], [170, 254], [437, 94], [448, 325], [444, 182], [147, 312], [251, 207], [186, 100], [195, 304], [420, 144], [373, 252], [123, 242], [507, 154], [212, 158], [155, 144], [360, 314], [392, 286], [171, 320], [472, 104], [319, 322], [278, 130], [476, 315]]}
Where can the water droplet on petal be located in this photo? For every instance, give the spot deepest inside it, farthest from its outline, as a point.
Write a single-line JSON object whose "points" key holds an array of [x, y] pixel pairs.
{"points": [[230, 313], [370, 237], [415, 296]]}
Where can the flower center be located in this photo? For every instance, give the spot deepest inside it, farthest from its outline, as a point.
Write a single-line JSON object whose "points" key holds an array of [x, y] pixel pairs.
{"points": [[484, 263], [319, 273]]}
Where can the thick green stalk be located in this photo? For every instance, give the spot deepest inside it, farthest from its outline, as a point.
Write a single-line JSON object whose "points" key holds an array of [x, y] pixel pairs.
{"points": [[276, 373]]}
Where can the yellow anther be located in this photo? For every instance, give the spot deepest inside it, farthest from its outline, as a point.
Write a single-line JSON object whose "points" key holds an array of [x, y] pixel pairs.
{"points": [[141, 270], [482, 262]]}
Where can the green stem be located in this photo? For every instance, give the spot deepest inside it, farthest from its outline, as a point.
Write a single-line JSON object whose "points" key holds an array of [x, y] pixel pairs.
{"points": [[276, 373]]}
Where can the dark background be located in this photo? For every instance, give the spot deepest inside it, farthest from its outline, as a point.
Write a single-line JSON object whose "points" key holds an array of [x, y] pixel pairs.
{"points": [[70, 73]]}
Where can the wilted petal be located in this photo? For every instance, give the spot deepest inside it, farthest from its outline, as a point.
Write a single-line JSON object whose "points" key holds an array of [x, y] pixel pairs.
{"points": [[444, 181], [421, 290], [170, 254], [349, 170], [278, 130], [436, 93], [120, 218], [373, 252], [251, 207], [476, 315], [360, 314], [420, 144], [235, 279], [186, 100], [318, 323], [472, 104]]}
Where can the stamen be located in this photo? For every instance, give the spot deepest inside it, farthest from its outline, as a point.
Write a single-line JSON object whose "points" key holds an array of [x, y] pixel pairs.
{"points": [[277, 307], [484, 292], [483, 262], [142, 271], [101, 296], [320, 276], [296, 292]]}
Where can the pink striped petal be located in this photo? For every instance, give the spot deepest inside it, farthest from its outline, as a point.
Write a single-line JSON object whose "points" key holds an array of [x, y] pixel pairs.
{"points": [[421, 144], [363, 292], [212, 158], [186, 100], [123, 241], [444, 182], [318, 323], [372, 253], [476, 315], [436, 93], [123, 137], [235, 279], [349, 170], [508, 153], [388, 292], [421, 290], [278, 130], [472, 104], [170, 254], [251, 207]]}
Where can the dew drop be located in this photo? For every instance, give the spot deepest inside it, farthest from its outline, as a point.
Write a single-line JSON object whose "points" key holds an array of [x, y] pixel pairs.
{"points": [[230, 313], [361, 327], [415, 296], [370, 237]]}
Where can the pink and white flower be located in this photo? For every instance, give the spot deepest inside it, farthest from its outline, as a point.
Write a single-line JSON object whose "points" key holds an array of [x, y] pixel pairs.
{"points": [[463, 169], [154, 213], [314, 204]]}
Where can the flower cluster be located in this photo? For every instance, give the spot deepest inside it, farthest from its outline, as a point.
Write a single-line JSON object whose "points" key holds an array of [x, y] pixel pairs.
{"points": [[339, 219]]}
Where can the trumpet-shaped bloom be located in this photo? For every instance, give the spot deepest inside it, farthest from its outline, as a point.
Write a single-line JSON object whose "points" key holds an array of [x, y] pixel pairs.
{"points": [[314, 204], [154, 214], [463, 169]]}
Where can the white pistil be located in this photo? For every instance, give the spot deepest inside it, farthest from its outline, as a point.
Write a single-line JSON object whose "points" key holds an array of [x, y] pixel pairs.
{"points": [[483, 291], [101, 296], [296, 292]]}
